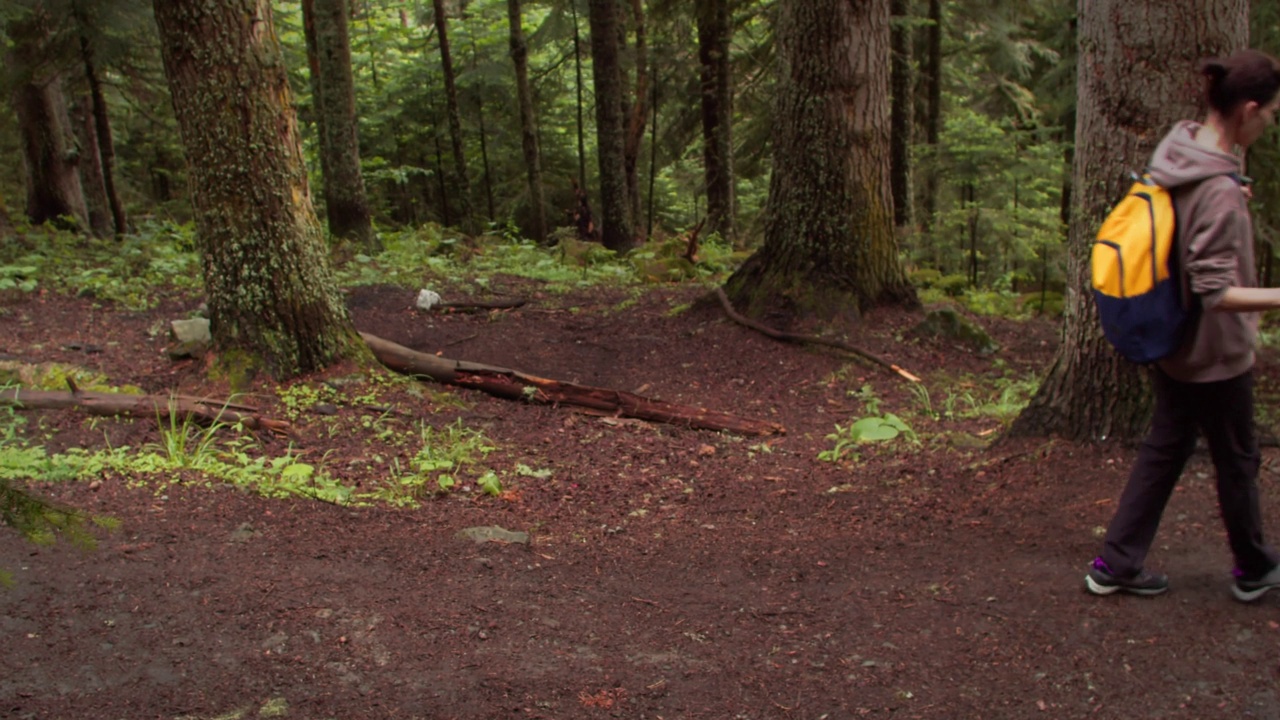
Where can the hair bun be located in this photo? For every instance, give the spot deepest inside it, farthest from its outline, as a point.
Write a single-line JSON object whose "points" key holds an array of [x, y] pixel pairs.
{"points": [[1213, 68]]}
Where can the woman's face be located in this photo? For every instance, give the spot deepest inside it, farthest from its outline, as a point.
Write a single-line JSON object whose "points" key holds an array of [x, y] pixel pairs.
{"points": [[1255, 119]]}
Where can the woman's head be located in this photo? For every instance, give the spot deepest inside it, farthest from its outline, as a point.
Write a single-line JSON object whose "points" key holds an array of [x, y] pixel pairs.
{"points": [[1244, 90]]}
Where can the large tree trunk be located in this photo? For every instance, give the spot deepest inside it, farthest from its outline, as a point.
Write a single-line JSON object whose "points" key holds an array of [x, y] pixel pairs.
{"points": [[528, 125], [829, 249], [271, 293], [1136, 77], [902, 117], [105, 143], [89, 158], [345, 201], [462, 184], [615, 207], [54, 193], [714, 36]]}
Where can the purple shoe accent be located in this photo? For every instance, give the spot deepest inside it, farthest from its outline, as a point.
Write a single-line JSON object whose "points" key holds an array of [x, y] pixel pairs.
{"points": [[1100, 564], [1237, 573]]}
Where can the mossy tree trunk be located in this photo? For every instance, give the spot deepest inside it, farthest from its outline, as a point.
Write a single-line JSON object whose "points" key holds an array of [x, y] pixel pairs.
{"points": [[615, 206], [54, 192], [715, 33], [1136, 77], [345, 201], [528, 124], [829, 249], [271, 293], [462, 185]]}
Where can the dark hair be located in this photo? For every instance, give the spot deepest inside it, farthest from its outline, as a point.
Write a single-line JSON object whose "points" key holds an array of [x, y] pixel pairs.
{"points": [[1244, 76]]}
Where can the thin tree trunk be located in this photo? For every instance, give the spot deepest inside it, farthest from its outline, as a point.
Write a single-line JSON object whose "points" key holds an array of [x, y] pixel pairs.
{"points": [[638, 112], [345, 200], [829, 250], [484, 139], [446, 216], [577, 63], [902, 117], [455, 120], [653, 156], [714, 37], [615, 207], [528, 124], [90, 164], [6, 222], [1090, 392], [272, 298], [101, 126], [933, 113]]}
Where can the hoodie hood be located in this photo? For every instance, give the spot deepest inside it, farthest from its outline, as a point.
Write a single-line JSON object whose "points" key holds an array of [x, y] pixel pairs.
{"points": [[1180, 160]]}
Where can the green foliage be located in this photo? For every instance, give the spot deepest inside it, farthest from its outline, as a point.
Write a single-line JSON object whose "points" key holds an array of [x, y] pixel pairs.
{"points": [[1001, 399], [132, 272], [870, 429], [446, 456]]}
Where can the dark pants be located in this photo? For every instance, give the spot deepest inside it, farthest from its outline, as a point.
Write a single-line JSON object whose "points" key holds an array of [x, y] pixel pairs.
{"points": [[1223, 411]]}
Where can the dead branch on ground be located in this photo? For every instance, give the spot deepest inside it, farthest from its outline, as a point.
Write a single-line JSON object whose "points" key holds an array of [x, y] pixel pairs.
{"points": [[515, 385]]}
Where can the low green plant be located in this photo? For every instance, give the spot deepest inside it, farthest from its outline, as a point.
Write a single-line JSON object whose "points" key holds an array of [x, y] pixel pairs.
{"points": [[870, 429], [446, 457], [18, 277]]}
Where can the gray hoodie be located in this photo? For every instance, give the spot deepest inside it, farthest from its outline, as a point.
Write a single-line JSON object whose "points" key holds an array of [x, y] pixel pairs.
{"points": [[1215, 246]]}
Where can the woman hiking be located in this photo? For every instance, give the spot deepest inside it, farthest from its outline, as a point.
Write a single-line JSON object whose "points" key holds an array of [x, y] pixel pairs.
{"points": [[1207, 384]]}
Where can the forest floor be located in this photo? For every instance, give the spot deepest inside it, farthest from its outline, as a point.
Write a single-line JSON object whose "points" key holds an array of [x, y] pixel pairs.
{"points": [[669, 572]]}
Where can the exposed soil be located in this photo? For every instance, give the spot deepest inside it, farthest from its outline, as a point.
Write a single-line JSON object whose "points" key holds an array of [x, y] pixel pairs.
{"points": [[670, 573]]}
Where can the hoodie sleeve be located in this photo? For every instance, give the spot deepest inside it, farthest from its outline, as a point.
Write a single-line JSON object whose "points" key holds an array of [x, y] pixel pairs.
{"points": [[1216, 236]]}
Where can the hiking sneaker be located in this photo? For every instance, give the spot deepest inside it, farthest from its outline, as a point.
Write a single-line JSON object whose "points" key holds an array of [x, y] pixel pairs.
{"points": [[1100, 581], [1250, 590]]}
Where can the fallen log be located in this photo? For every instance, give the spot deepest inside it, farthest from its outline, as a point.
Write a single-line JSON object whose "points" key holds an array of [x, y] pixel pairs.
{"points": [[160, 407], [811, 339], [516, 385]]}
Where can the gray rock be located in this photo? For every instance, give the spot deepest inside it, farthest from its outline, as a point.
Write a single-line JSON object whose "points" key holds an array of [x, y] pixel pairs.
{"points": [[193, 330], [493, 533]]}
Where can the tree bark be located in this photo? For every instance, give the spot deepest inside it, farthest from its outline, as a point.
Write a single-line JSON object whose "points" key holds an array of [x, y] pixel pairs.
{"points": [[345, 200], [829, 249], [902, 118], [463, 186], [104, 140], [528, 124], [615, 208], [714, 36], [638, 114], [6, 222], [54, 193], [577, 65], [1136, 77], [933, 107], [92, 183], [272, 296]]}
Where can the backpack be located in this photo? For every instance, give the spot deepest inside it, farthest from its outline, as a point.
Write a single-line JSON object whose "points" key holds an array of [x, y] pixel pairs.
{"points": [[1136, 283]]}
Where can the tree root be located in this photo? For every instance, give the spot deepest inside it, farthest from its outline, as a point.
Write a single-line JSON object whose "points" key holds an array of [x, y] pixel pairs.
{"points": [[810, 339]]}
